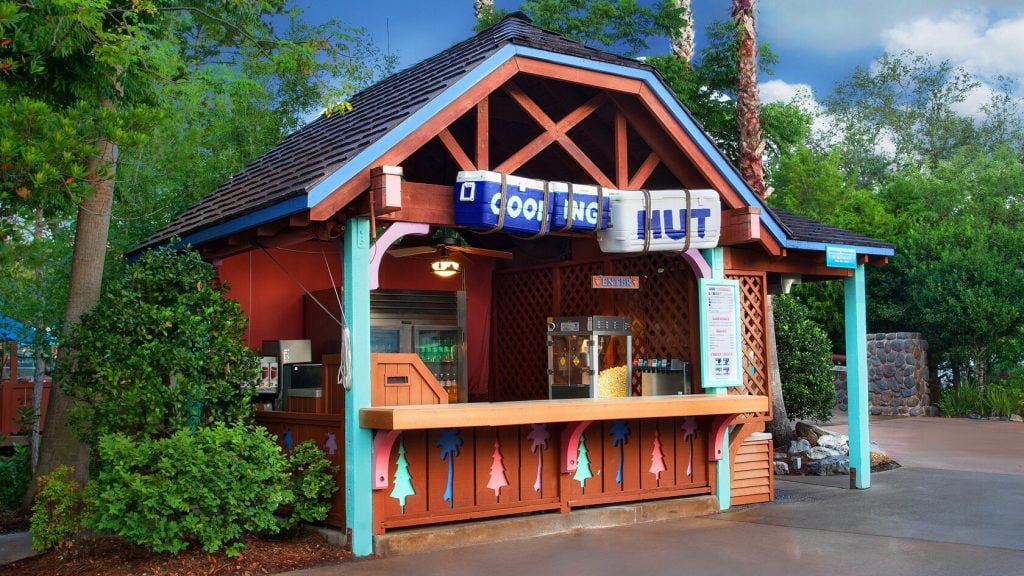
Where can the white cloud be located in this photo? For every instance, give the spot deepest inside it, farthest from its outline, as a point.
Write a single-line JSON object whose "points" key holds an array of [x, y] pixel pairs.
{"points": [[984, 47]]}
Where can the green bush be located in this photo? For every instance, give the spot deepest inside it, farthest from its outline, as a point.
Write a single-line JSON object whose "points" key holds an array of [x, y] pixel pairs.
{"points": [[312, 484], [162, 351], [962, 401], [60, 510], [1004, 399], [15, 474], [805, 362], [210, 487]]}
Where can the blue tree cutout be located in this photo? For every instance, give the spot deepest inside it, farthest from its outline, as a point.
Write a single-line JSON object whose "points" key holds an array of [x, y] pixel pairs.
{"points": [[287, 440], [620, 436], [449, 443]]}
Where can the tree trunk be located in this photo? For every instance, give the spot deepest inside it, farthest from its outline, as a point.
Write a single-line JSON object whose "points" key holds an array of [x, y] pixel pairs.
{"points": [[60, 445], [37, 381], [779, 426], [748, 103], [683, 46]]}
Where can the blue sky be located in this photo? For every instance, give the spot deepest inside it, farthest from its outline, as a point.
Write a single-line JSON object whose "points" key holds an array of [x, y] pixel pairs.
{"points": [[819, 42]]}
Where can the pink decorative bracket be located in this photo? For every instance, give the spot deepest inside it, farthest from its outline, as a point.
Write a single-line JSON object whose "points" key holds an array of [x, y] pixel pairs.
{"points": [[718, 429], [383, 441], [696, 260], [571, 444], [385, 240]]}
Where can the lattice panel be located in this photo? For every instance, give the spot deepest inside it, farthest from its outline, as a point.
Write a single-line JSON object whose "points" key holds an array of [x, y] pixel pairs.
{"points": [[577, 297], [660, 309], [522, 304], [755, 349]]}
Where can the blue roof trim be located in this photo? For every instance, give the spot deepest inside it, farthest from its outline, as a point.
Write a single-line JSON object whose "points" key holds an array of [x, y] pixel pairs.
{"points": [[262, 216], [820, 247], [360, 161]]}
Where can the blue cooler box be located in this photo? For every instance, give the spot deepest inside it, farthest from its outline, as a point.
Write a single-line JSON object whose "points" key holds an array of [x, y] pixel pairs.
{"points": [[477, 197]]}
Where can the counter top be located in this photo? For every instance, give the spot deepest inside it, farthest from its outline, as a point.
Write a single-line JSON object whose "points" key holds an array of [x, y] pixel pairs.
{"points": [[419, 417]]}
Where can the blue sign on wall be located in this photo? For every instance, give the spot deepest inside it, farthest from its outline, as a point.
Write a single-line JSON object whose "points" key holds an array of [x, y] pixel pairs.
{"points": [[840, 257]]}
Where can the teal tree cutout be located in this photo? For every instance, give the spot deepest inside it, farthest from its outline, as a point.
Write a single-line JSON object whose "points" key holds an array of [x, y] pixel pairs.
{"points": [[620, 436], [689, 433], [539, 437], [498, 478], [449, 443], [403, 480], [657, 457], [582, 464]]}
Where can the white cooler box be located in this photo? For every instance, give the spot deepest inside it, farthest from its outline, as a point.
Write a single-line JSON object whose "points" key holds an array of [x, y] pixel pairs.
{"points": [[669, 222]]}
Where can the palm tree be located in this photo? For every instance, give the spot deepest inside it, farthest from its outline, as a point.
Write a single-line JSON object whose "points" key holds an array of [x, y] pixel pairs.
{"points": [[483, 7], [748, 104], [683, 45]]}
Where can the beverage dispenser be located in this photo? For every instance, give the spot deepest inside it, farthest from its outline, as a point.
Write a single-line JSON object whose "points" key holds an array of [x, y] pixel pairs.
{"points": [[589, 357]]}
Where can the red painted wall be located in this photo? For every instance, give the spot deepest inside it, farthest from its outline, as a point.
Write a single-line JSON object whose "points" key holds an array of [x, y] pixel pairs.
{"points": [[270, 294]]}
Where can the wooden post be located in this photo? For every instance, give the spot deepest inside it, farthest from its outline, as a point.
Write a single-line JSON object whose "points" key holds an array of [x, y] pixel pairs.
{"points": [[715, 258], [857, 378]]}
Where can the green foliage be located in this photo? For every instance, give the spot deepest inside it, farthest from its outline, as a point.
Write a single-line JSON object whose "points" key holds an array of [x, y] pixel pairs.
{"points": [[162, 351], [1004, 399], [210, 487], [610, 24], [15, 474], [961, 401], [312, 483], [60, 510], [808, 385]]}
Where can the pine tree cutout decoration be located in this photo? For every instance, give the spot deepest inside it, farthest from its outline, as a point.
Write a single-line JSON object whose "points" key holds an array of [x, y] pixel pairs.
{"points": [[403, 480], [498, 478], [657, 458], [582, 464]]}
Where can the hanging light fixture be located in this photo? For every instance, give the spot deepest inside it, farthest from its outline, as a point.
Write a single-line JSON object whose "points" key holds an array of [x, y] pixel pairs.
{"points": [[444, 266]]}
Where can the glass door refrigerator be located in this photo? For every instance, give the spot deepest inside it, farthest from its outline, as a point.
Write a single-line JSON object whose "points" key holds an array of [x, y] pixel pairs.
{"points": [[442, 349]]}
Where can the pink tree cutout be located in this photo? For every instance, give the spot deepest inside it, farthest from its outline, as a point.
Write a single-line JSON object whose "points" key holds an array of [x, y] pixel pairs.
{"points": [[657, 457], [539, 436], [498, 478], [689, 433]]}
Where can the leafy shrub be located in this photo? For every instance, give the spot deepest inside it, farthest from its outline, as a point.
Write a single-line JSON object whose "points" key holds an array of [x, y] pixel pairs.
{"points": [[962, 401], [312, 484], [211, 487], [15, 474], [805, 362], [60, 509], [162, 351], [1004, 399]]}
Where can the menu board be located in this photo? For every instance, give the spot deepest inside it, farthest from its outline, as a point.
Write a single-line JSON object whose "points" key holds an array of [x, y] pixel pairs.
{"points": [[720, 349]]}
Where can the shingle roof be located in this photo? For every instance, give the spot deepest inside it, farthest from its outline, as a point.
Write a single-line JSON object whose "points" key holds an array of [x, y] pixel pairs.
{"points": [[315, 151], [807, 230]]}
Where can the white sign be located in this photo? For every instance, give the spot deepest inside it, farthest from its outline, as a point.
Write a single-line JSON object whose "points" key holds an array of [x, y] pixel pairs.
{"points": [[720, 338]]}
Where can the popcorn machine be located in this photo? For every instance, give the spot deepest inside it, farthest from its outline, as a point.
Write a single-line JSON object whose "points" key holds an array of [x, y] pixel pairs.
{"points": [[589, 357]]}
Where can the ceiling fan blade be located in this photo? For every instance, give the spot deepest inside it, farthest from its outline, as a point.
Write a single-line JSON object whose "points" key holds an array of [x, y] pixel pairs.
{"points": [[412, 251], [482, 252]]}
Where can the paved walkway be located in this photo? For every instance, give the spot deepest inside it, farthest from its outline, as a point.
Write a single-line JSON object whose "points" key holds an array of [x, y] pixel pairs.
{"points": [[955, 507]]}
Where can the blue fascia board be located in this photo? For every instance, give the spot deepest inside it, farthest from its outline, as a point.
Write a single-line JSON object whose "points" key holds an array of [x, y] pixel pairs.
{"points": [[358, 163], [255, 218]]}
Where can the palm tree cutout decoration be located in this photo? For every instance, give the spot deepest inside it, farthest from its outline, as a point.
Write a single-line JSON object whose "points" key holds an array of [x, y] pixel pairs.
{"points": [[689, 433], [449, 443], [620, 436], [539, 437]]}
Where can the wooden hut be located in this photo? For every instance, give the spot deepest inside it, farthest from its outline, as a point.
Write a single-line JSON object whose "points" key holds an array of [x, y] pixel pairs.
{"points": [[307, 237]]}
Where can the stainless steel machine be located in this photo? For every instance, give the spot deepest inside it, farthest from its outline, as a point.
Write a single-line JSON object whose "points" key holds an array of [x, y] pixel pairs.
{"points": [[589, 356]]}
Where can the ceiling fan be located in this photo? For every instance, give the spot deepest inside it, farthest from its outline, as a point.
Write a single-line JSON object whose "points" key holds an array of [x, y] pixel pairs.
{"points": [[448, 242]]}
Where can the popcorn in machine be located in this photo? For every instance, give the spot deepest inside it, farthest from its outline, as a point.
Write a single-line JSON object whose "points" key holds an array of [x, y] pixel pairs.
{"points": [[589, 357]]}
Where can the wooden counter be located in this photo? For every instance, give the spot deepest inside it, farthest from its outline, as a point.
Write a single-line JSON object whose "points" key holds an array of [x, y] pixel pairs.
{"points": [[549, 411]]}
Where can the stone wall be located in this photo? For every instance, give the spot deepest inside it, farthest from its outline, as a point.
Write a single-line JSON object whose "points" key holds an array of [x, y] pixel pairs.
{"points": [[897, 375]]}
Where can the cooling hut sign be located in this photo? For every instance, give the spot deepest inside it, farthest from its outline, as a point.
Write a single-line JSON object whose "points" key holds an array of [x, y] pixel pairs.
{"points": [[660, 220]]}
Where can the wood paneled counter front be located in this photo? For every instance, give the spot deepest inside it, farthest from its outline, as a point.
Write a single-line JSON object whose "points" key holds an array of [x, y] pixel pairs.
{"points": [[427, 417]]}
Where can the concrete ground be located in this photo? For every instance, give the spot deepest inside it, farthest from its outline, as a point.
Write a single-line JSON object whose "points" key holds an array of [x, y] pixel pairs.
{"points": [[955, 507]]}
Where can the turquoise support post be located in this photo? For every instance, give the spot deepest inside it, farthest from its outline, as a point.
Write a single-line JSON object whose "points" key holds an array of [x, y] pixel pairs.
{"points": [[857, 378], [723, 480], [358, 440]]}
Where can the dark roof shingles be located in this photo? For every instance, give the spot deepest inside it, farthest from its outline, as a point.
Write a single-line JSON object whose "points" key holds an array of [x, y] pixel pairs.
{"points": [[807, 230]]}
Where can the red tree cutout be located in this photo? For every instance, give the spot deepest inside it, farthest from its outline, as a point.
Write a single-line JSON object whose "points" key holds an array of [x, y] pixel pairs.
{"points": [[498, 478], [657, 458]]}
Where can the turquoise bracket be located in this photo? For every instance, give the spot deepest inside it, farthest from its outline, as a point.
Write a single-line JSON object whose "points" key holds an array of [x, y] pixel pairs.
{"points": [[715, 258], [857, 379], [358, 441]]}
